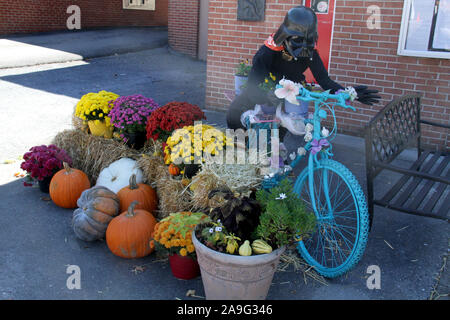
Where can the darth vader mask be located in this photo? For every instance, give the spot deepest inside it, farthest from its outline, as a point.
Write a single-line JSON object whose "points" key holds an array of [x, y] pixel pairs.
{"points": [[298, 32]]}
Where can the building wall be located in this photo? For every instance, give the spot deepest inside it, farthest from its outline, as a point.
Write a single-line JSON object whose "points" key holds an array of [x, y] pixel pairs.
{"points": [[359, 56], [183, 28], [44, 15]]}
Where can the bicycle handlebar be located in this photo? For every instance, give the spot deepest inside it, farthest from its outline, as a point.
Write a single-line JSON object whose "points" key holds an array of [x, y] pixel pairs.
{"points": [[341, 97]]}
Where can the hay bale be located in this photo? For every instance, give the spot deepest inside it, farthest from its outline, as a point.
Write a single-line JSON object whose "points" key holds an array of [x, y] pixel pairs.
{"points": [[151, 163], [152, 167], [237, 177], [77, 122], [173, 196], [90, 153]]}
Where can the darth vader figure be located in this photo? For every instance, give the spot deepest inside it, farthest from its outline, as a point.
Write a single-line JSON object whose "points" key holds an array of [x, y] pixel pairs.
{"points": [[288, 53]]}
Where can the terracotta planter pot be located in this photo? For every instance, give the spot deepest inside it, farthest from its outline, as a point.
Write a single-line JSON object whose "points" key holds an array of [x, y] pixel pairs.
{"points": [[230, 277], [184, 267], [100, 129]]}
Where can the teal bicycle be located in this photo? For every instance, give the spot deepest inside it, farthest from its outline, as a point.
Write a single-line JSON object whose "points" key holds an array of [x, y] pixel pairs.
{"points": [[328, 189]]}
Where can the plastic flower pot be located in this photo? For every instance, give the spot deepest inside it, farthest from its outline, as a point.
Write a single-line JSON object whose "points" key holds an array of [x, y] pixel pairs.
{"points": [[239, 81], [100, 129], [136, 140], [301, 109], [185, 268], [232, 277], [45, 184]]}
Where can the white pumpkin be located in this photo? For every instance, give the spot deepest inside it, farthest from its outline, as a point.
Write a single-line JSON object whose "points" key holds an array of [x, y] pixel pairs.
{"points": [[118, 174]]}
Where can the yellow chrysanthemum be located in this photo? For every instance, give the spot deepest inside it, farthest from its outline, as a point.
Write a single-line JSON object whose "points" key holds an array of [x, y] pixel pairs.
{"points": [[183, 252]]}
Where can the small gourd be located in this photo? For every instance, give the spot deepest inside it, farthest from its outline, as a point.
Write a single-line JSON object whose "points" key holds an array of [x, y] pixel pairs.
{"points": [[260, 247], [245, 249], [174, 170]]}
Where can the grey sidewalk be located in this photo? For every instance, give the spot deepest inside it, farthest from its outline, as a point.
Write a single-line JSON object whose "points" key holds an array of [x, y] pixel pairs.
{"points": [[37, 239], [29, 50]]}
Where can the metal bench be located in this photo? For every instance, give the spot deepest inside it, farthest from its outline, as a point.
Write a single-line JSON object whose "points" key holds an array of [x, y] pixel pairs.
{"points": [[423, 188]]}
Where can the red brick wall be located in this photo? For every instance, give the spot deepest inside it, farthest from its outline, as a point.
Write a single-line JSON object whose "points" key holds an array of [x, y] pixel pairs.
{"points": [[44, 15], [183, 26], [359, 56]]}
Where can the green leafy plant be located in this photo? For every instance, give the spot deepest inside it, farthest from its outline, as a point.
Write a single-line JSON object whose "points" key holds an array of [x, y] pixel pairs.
{"points": [[269, 83], [284, 219], [243, 68], [172, 234]]}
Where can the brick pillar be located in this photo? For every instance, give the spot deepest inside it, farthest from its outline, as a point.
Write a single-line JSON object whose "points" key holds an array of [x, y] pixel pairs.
{"points": [[183, 21]]}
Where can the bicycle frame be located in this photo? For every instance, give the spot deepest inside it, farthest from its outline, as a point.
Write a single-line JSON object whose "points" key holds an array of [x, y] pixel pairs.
{"points": [[342, 221], [320, 104]]}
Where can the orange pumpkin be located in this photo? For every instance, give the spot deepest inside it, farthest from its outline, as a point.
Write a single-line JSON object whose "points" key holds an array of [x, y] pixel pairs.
{"points": [[143, 193], [128, 235], [67, 185], [174, 170]]}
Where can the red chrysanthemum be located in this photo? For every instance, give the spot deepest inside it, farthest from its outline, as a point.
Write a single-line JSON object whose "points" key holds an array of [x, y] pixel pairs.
{"points": [[174, 115]]}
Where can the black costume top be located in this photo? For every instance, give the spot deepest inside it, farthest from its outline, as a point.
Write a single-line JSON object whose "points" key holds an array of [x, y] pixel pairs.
{"points": [[267, 60]]}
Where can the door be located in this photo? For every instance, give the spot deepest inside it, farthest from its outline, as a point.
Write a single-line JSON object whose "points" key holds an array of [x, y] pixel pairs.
{"points": [[324, 10]]}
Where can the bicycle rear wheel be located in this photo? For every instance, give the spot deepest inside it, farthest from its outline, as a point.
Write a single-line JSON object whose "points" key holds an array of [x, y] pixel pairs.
{"points": [[342, 218]]}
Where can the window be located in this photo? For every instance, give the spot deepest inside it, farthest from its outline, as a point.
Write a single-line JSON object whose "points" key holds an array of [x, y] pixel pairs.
{"points": [[425, 29], [139, 4]]}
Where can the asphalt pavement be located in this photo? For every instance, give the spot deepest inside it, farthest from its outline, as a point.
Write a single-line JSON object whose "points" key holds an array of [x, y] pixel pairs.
{"points": [[37, 97]]}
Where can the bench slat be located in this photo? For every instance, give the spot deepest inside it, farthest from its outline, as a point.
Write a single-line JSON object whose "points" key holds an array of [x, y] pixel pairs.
{"points": [[426, 188], [434, 199], [394, 190], [445, 208], [416, 181]]}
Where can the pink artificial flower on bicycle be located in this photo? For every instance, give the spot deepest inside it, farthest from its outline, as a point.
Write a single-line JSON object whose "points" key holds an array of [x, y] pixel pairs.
{"points": [[289, 91]]}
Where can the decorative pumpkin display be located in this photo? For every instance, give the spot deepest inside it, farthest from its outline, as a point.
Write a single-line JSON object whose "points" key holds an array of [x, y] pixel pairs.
{"points": [[97, 206], [143, 193], [174, 170], [117, 174], [67, 185], [129, 234]]}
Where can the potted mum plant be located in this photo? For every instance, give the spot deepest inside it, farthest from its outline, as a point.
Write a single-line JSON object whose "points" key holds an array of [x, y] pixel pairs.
{"points": [[173, 236], [174, 115], [41, 163], [268, 85], [94, 108], [238, 254], [241, 76], [129, 116], [190, 146]]}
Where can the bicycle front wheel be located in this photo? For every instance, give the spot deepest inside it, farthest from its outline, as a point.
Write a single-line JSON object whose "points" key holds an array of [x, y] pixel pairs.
{"points": [[340, 207]]}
